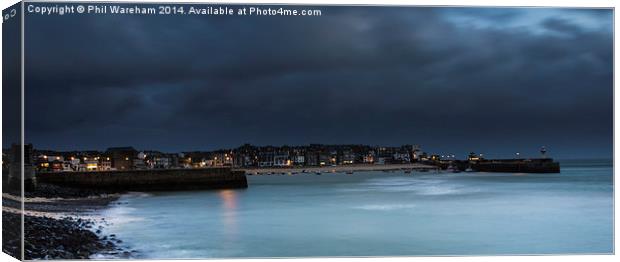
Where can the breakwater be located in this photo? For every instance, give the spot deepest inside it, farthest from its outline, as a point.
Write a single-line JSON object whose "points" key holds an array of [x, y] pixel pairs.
{"points": [[533, 165], [541, 165], [149, 180]]}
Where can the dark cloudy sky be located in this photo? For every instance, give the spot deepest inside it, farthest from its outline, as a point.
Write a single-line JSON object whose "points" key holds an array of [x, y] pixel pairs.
{"points": [[453, 80]]}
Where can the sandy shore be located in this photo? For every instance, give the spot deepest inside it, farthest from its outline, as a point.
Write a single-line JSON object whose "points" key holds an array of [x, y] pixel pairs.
{"points": [[336, 169]]}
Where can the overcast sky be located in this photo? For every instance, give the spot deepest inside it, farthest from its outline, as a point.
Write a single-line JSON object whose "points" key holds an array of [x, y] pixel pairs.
{"points": [[453, 80]]}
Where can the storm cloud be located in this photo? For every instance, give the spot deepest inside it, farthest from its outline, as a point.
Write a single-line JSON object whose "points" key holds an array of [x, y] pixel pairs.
{"points": [[453, 80]]}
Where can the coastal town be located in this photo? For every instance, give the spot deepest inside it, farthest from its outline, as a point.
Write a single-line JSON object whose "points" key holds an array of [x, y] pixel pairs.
{"points": [[245, 156], [250, 159]]}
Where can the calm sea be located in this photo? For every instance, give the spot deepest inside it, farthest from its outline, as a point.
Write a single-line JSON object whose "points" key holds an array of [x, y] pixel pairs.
{"points": [[377, 214]]}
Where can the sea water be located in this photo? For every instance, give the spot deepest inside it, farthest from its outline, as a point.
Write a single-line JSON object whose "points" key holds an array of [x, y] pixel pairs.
{"points": [[377, 214]]}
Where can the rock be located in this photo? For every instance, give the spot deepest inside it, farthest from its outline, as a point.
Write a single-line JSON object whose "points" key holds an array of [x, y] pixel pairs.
{"points": [[48, 238]]}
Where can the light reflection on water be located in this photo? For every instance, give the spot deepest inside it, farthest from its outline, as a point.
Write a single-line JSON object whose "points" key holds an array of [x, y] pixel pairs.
{"points": [[377, 214], [228, 199]]}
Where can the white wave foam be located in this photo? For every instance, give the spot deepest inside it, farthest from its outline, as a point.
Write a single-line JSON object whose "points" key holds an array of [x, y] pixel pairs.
{"points": [[137, 194], [386, 207], [439, 190], [119, 215], [424, 187], [399, 181]]}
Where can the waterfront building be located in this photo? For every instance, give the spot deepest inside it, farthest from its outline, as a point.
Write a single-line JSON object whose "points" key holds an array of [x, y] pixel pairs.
{"points": [[142, 155], [174, 160], [161, 162], [384, 155], [311, 158], [138, 164], [74, 162], [122, 157], [415, 154], [105, 163], [245, 156], [185, 160], [55, 158], [424, 157], [297, 156], [90, 163], [324, 159], [199, 162], [281, 159], [218, 159], [333, 157], [243, 159], [68, 167], [299, 160], [81, 167], [228, 159], [265, 159], [56, 166], [474, 157], [369, 157], [347, 157], [401, 157], [42, 163]]}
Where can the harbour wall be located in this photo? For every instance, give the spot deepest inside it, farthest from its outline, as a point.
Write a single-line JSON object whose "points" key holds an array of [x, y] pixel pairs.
{"points": [[534, 165], [149, 180], [518, 166]]}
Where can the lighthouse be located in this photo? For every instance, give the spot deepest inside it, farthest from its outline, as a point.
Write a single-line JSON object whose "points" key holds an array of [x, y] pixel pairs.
{"points": [[543, 152]]}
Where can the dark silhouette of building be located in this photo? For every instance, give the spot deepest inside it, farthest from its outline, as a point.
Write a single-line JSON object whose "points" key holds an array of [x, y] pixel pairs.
{"points": [[122, 157]]}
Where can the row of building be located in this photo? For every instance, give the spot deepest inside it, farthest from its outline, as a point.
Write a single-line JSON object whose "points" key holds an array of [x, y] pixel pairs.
{"points": [[128, 158]]}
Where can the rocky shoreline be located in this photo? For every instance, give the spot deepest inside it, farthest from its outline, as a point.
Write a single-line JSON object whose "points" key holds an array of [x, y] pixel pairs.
{"points": [[59, 225]]}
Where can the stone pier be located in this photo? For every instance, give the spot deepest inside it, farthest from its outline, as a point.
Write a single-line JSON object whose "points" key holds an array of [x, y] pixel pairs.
{"points": [[149, 180]]}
